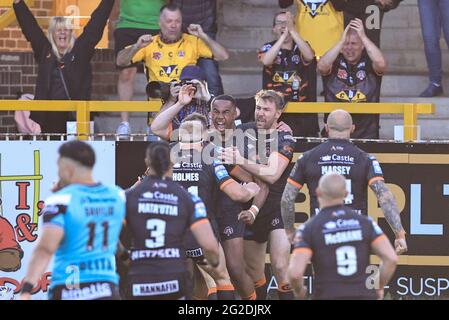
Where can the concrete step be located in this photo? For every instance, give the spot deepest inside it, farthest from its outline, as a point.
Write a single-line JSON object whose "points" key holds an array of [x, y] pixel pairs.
{"points": [[404, 16], [411, 61], [249, 13], [407, 85]]}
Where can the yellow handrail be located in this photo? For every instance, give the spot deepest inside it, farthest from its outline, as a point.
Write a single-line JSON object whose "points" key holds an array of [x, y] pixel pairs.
{"points": [[84, 108]]}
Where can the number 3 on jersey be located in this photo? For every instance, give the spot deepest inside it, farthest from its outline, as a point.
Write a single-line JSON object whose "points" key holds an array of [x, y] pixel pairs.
{"points": [[157, 233]]}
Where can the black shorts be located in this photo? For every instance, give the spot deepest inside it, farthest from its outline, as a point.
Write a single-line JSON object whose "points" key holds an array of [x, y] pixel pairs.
{"points": [[86, 291], [193, 249], [268, 219], [229, 226], [158, 287], [124, 37]]}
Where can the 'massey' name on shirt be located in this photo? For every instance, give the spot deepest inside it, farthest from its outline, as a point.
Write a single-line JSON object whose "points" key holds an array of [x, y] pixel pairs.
{"points": [[335, 169]]}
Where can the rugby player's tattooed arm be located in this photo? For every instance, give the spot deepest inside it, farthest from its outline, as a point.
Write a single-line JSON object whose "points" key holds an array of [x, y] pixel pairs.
{"points": [[388, 204], [288, 208]]}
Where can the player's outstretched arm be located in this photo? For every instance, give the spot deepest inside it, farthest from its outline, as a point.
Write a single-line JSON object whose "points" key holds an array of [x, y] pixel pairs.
{"points": [[390, 209]]}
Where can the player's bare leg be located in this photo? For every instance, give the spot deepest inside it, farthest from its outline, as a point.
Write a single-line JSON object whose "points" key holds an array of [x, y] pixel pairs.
{"points": [[255, 263], [225, 289], [279, 247], [235, 263]]}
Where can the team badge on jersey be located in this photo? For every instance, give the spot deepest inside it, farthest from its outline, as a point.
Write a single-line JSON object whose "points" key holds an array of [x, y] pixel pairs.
{"points": [[361, 75], [295, 59], [157, 55], [315, 7], [168, 70]]}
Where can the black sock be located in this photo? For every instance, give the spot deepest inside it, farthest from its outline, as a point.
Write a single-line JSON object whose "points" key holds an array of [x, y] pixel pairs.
{"points": [[285, 295], [225, 294], [212, 296], [261, 292]]}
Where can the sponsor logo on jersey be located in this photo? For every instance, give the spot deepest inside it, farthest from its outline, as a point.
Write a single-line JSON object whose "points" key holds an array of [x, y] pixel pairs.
{"points": [[163, 197], [337, 148], [331, 225], [377, 168], [181, 54], [200, 210], [228, 231], [376, 228], [314, 7], [351, 96], [342, 74], [266, 47], [155, 289], [336, 158], [94, 291], [157, 55], [275, 222], [221, 172], [295, 59]]}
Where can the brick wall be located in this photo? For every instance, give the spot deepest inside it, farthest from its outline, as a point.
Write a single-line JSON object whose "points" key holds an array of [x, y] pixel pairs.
{"points": [[18, 73], [12, 39], [18, 70]]}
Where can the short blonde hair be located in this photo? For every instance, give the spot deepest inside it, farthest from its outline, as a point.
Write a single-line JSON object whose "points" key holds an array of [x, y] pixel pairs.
{"points": [[55, 22]]}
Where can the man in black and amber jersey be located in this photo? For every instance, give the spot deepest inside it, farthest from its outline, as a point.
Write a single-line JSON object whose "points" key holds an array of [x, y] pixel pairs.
{"points": [[339, 242], [359, 168]]}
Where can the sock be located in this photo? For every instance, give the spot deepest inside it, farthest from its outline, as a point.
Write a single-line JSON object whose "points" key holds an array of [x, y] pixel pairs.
{"points": [[285, 292], [212, 294], [261, 289], [252, 296], [226, 292]]}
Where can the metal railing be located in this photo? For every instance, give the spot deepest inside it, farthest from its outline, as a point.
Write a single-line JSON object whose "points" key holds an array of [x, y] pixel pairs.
{"points": [[410, 111]]}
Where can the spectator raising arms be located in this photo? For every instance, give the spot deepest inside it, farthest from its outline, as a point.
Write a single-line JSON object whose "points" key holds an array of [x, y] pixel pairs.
{"points": [[64, 70], [286, 62], [203, 12], [352, 72], [165, 55]]}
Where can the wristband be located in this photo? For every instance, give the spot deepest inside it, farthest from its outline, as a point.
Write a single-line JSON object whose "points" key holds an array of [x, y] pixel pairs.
{"points": [[255, 208], [27, 287]]}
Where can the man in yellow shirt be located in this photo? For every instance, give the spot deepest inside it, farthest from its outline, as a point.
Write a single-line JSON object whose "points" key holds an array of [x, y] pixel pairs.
{"points": [[166, 54], [318, 23]]}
